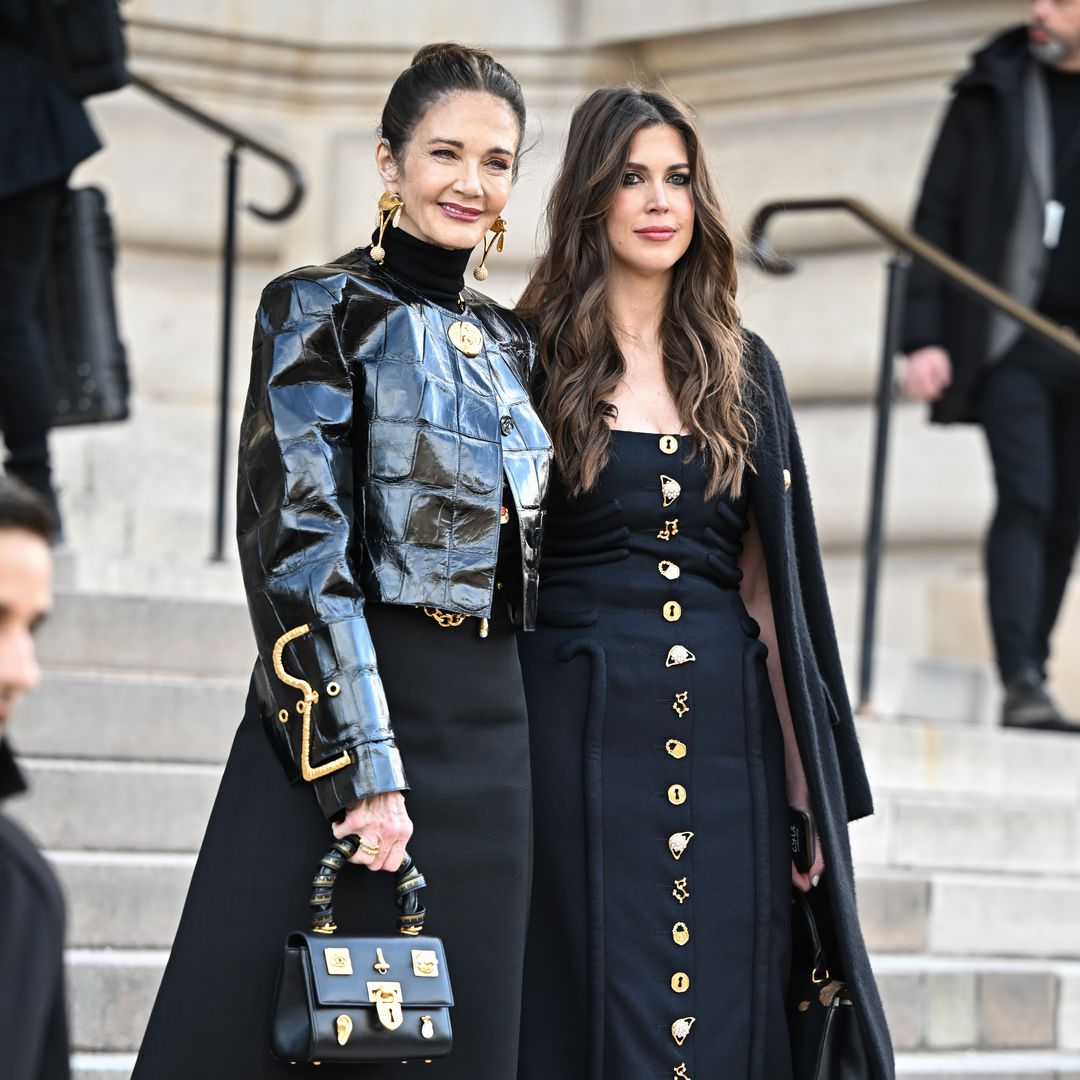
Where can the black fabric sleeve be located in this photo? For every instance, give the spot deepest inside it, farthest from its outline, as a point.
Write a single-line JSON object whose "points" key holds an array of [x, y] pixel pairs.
{"points": [[936, 220], [33, 1014], [296, 522]]}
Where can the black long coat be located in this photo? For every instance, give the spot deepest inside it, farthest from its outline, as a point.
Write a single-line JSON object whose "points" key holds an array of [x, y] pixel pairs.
{"points": [[44, 129], [969, 197], [817, 694], [33, 1017]]}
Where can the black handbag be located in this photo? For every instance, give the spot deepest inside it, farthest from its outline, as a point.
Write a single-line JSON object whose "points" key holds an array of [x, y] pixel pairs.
{"points": [[78, 314], [358, 1000], [826, 1040]]}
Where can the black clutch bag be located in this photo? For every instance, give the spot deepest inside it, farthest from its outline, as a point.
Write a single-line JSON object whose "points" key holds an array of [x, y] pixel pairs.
{"points": [[826, 1041], [359, 1000]]}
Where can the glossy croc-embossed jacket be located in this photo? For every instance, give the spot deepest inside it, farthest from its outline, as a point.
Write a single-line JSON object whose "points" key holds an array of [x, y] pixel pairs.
{"points": [[373, 455]]}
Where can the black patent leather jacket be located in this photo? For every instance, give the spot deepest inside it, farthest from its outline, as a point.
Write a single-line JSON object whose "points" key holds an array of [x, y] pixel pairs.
{"points": [[373, 455]]}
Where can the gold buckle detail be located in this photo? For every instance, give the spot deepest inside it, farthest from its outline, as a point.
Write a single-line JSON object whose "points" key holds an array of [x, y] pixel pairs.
{"points": [[386, 997], [303, 707]]}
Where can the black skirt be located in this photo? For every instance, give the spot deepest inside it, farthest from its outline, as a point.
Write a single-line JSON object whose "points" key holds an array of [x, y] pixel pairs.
{"points": [[458, 711]]}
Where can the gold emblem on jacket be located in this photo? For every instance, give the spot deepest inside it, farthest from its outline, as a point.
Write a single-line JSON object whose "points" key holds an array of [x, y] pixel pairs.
{"points": [[466, 337]]}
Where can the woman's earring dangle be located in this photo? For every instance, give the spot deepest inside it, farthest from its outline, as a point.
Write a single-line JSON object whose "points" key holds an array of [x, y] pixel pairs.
{"points": [[389, 213], [498, 238]]}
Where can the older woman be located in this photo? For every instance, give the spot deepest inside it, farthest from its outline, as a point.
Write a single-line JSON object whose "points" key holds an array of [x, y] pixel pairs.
{"points": [[391, 478]]}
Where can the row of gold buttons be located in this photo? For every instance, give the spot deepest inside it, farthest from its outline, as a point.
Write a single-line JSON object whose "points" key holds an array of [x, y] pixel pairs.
{"points": [[678, 842]]}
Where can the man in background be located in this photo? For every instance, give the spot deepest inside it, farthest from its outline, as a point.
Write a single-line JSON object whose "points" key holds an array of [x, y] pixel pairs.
{"points": [[33, 1016], [1002, 195]]}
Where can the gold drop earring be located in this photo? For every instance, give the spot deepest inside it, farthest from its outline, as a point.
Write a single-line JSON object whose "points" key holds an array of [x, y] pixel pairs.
{"points": [[498, 238], [389, 213]]}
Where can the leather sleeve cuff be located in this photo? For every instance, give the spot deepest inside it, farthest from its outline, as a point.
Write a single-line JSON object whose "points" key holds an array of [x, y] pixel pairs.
{"points": [[376, 768]]}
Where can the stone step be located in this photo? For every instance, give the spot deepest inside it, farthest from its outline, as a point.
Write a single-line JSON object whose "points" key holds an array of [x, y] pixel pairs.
{"points": [[123, 899], [114, 715], [950, 914], [146, 634], [116, 806], [989, 914], [991, 763], [1037, 1065], [936, 1004], [102, 1066], [1013, 836], [110, 995], [77, 569]]}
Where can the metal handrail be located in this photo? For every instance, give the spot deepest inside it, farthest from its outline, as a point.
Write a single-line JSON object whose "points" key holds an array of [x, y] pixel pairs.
{"points": [[239, 141], [906, 246]]}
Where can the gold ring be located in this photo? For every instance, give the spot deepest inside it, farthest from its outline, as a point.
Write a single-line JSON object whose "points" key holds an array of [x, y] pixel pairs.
{"points": [[366, 848]]}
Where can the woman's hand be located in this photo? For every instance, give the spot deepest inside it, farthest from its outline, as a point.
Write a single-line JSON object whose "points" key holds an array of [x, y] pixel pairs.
{"points": [[805, 882], [382, 822]]}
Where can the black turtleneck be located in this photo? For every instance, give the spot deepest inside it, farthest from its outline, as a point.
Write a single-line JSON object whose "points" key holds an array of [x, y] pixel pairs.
{"points": [[438, 274]]}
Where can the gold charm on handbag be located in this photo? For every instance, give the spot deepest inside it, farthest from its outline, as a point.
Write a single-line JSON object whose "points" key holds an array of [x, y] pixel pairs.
{"points": [[498, 238], [389, 213]]}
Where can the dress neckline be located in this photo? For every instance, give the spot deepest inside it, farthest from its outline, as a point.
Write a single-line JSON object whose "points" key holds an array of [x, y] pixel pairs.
{"points": [[651, 434]]}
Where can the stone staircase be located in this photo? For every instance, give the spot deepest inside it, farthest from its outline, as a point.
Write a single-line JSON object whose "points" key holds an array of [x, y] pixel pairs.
{"points": [[969, 873], [123, 746]]}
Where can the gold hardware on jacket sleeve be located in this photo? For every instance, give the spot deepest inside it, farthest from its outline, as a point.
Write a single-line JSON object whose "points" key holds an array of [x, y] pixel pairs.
{"points": [[303, 707], [344, 1029], [386, 997]]}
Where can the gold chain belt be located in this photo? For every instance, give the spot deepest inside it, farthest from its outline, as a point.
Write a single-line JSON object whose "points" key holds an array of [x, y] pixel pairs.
{"points": [[451, 620]]}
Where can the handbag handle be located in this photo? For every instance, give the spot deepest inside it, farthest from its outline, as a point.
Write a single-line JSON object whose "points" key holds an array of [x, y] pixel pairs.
{"points": [[410, 881], [819, 967]]}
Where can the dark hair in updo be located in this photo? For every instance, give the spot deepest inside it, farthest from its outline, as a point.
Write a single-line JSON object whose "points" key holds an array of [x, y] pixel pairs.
{"points": [[436, 71]]}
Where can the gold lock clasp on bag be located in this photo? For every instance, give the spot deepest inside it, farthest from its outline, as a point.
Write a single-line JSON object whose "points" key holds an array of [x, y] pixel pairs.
{"points": [[303, 707], [386, 996]]}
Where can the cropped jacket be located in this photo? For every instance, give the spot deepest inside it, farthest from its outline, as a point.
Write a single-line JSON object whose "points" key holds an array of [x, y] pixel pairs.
{"points": [[373, 458]]}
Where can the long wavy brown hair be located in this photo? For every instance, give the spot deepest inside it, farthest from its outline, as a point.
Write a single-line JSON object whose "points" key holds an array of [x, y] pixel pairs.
{"points": [[566, 300]]}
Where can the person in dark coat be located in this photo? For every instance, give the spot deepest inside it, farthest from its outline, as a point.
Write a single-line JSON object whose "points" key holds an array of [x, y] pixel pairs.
{"points": [[33, 1013], [1002, 195], [684, 685], [44, 134]]}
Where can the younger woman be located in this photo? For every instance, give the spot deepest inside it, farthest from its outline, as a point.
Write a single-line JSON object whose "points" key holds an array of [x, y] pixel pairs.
{"points": [[684, 688]]}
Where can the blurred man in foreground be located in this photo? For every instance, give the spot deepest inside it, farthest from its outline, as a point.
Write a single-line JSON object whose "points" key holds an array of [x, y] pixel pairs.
{"points": [[1002, 194], [33, 1020]]}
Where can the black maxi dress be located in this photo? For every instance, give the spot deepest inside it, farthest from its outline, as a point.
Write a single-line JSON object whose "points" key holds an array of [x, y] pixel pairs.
{"points": [[659, 934], [460, 722]]}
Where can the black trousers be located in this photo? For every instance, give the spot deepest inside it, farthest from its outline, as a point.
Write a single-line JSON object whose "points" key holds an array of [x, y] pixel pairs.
{"points": [[1029, 407], [26, 392]]}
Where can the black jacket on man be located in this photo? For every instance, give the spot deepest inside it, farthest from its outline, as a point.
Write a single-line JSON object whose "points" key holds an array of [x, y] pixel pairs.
{"points": [[33, 1018], [44, 129], [968, 200]]}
